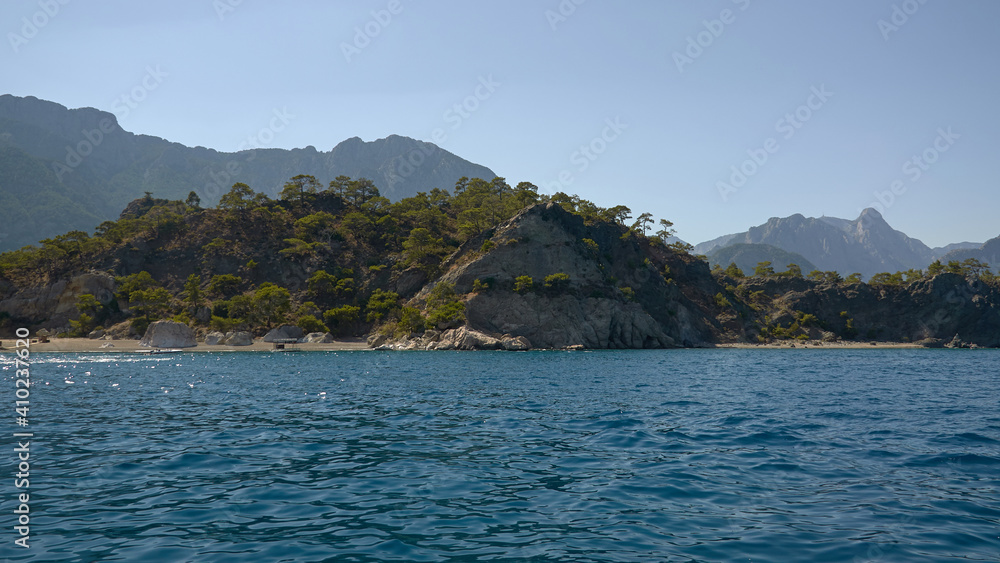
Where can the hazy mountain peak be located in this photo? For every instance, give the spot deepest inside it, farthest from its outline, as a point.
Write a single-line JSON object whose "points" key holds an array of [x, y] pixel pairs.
{"points": [[867, 245], [870, 213]]}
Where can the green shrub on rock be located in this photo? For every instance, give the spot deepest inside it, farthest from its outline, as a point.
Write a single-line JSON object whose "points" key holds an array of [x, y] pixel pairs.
{"points": [[444, 309], [523, 284], [557, 282]]}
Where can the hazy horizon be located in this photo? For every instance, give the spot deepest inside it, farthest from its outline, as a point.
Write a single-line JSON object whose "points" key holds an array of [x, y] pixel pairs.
{"points": [[827, 109]]}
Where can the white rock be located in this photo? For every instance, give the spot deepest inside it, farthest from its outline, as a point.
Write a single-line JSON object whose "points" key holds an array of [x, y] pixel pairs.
{"points": [[284, 332], [518, 343], [241, 338], [168, 334], [214, 337], [317, 337], [377, 341]]}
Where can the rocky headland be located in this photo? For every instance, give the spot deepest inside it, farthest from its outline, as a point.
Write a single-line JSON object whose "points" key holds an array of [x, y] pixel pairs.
{"points": [[547, 273]]}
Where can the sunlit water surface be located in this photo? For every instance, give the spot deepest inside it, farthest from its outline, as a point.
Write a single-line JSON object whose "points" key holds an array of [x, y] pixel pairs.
{"points": [[688, 455]]}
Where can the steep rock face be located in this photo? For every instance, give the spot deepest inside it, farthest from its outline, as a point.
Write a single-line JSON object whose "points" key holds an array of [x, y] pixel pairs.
{"points": [[564, 321], [937, 308], [54, 305], [168, 334], [615, 297]]}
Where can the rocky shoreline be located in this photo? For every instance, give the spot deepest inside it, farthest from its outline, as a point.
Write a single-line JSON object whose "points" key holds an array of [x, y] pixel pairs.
{"points": [[131, 346], [459, 340]]}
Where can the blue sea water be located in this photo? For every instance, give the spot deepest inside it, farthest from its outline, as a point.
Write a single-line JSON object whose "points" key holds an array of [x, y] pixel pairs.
{"points": [[677, 455]]}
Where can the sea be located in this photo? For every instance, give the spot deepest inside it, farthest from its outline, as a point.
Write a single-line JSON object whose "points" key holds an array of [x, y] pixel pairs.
{"points": [[668, 455]]}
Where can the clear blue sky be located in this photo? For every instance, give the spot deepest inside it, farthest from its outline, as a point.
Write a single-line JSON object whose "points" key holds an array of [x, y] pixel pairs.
{"points": [[556, 81]]}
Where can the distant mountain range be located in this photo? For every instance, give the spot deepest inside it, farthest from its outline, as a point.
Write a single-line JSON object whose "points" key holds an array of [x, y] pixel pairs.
{"points": [[63, 169], [989, 253], [867, 245]]}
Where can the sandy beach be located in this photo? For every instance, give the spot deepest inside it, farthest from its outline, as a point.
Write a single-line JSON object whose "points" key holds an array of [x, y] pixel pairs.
{"points": [[132, 346]]}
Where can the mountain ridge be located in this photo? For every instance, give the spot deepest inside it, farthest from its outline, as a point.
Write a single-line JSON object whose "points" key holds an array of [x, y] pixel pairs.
{"points": [[988, 252], [867, 245], [95, 167]]}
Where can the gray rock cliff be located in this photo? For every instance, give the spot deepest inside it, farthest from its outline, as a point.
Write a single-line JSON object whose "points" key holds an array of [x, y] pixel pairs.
{"points": [[616, 297], [56, 303]]}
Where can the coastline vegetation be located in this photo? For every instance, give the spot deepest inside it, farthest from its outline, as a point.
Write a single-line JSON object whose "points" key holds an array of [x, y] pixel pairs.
{"points": [[316, 256], [334, 259]]}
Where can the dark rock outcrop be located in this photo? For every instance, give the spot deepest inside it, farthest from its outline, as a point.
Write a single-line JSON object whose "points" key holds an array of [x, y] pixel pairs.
{"points": [[930, 310]]}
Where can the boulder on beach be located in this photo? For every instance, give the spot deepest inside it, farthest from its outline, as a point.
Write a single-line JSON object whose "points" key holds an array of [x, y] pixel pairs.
{"points": [[241, 338], [317, 338], [168, 334], [214, 337], [284, 332]]}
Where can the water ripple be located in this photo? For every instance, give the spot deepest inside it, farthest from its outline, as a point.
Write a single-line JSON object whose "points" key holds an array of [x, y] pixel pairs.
{"points": [[614, 456]]}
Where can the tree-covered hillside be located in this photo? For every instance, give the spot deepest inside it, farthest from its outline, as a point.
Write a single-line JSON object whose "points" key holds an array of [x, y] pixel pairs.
{"points": [[342, 258], [335, 257]]}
